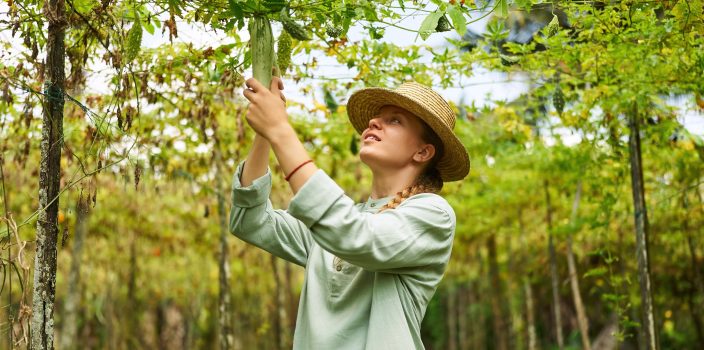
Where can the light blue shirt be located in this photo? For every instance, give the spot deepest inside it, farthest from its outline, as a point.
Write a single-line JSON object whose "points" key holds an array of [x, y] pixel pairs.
{"points": [[392, 262]]}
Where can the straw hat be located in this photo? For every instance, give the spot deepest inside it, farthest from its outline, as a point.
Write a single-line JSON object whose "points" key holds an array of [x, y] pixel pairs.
{"points": [[427, 105]]}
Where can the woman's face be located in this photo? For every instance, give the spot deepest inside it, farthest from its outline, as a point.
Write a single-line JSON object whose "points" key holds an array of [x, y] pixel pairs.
{"points": [[393, 140]]}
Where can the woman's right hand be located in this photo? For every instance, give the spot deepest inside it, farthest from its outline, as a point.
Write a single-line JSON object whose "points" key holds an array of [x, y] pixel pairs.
{"points": [[257, 161], [266, 113]]}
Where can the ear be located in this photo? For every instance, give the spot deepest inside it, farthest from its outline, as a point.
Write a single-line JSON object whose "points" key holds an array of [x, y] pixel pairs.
{"points": [[425, 153]]}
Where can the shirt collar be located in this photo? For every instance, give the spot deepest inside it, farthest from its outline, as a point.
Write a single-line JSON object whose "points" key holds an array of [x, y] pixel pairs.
{"points": [[376, 204]]}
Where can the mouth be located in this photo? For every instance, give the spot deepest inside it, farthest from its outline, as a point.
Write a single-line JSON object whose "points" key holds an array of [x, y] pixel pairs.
{"points": [[371, 138]]}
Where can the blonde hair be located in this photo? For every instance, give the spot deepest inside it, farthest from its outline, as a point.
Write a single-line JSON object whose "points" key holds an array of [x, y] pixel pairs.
{"points": [[429, 181]]}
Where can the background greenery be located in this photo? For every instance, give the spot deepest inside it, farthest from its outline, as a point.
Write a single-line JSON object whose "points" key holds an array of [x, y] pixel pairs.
{"points": [[148, 156]]}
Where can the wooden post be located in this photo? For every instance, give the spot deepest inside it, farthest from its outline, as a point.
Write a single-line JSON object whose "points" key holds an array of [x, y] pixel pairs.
{"points": [[497, 298], [462, 342], [553, 271], [225, 327], [582, 320], [528, 291], [44, 288], [648, 331]]}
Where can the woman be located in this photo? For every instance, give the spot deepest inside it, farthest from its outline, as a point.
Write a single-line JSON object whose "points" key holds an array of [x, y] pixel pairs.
{"points": [[371, 268]]}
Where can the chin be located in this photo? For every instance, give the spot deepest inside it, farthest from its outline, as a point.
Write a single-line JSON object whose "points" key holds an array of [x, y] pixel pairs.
{"points": [[363, 157], [370, 159], [366, 158]]}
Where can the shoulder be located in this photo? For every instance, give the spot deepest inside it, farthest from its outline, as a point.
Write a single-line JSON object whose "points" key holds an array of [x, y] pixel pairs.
{"points": [[431, 200], [430, 204]]}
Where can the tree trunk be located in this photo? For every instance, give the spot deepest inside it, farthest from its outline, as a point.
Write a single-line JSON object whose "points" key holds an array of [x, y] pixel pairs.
{"points": [[244, 319], [282, 296], [172, 330], [279, 311], [462, 341], [73, 296], [478, 339], [44, 288], [291, 300], [553, 271], [112, 329], [582, 320], [530, 315], [451, 318], [528, 291], [226, 337], [696, 288], [497, 298], [606, 339], [134, 337], [648, 330], [6, 213], [514, 320]]}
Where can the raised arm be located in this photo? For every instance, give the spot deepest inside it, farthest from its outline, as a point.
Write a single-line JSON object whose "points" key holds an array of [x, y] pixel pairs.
{"points": [[255, 221], [257, 162], [252, 217]]}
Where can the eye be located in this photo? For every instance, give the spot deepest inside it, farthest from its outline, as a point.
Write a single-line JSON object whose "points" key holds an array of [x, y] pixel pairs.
{"points": [[395, 120]]}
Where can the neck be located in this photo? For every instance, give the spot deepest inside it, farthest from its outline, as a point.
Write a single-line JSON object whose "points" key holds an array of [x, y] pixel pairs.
{"points": [[388, 183]]}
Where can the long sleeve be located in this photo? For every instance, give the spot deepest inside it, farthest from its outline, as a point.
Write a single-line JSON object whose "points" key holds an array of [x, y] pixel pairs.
{"points": [[253, 220], [417, 233]]}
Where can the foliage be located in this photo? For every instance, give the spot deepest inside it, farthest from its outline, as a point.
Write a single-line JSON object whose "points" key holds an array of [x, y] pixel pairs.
{"points": [[144, 152]]}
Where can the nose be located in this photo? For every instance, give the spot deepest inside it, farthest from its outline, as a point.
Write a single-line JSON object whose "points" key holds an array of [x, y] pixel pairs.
{"points": [[374, 123]]}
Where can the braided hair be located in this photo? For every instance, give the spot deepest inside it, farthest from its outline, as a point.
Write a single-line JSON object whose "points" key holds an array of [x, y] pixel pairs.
{"points": [[427, 182]]}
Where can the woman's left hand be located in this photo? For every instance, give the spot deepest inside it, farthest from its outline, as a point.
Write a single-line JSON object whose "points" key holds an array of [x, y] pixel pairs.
{"points": [[267, 109]]}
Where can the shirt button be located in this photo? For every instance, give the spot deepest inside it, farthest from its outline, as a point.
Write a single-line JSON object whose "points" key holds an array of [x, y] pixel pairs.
{"points": [[373, 205], [338, 268]]}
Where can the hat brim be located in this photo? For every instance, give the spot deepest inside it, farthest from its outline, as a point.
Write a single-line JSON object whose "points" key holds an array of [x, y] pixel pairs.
{"points": [[364, 104]]}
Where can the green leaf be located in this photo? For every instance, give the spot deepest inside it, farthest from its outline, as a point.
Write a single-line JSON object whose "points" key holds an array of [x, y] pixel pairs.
{"points": [[274, 5], [84, 6], [401, 4], [376, 33], [148, 26], [598, 271], [429, 24], [503, 8], [247, 60], [330, 101], [458, 20], [236, 9]]}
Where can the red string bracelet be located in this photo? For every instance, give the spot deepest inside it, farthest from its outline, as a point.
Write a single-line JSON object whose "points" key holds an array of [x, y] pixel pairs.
{"points": [[298, 167]]}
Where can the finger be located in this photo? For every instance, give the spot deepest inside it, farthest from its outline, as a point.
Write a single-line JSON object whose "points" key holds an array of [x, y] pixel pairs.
{"points": [[254, 84], [276, 85], [248, 94]]}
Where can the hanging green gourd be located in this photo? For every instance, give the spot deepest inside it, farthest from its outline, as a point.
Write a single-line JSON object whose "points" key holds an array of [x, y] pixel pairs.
{"points": [[296, 30], [443, 25], [558, 100], [283, 52], [262, 49], [333, 31], [553, 27], [134, 39], [508, 60]]}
